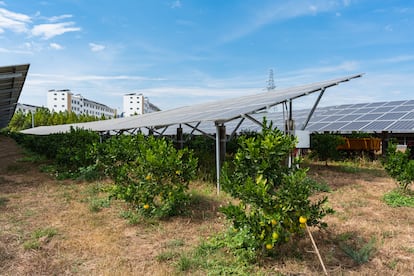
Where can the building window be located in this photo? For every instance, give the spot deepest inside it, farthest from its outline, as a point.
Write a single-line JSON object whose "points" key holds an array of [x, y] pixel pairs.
{"points": [[55, 106], [55, 94], [55, 99]]}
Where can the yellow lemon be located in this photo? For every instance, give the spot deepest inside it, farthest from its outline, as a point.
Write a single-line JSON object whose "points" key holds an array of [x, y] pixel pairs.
{"points": [[302, 220], [146, 206], [148, 177], [275, 235], [274, 222], [269, 246], [302, 225]]}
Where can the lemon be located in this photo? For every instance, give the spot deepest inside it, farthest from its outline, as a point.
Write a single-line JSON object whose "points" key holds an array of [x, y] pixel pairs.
{"points": [[269, 246], [148, 177], [146, 206], [274, 222], [302, 225], [302, 220], [275, 235]]}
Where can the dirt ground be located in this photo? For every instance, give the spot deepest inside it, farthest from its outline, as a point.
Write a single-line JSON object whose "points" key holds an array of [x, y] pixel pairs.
{"points": [[86, 242]]}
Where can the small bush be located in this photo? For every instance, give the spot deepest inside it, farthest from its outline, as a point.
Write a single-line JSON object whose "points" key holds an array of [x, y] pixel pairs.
{"points": [[150, 174], [274, 204], [399, 166], [360, 254]]}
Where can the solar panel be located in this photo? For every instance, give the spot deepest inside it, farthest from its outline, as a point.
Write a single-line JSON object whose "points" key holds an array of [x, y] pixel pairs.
{"points": [[348, 118], [358, 105], [369, 117], [354, 126], [315, 126], [343, 112], [402, 126], [333, 126], [331, 118], [404, 108], [215, 112], [377, 125], [377, 104], [391, 116], [394, 103], [409, 102], [363, 110], [382, 109], [409, 116]]}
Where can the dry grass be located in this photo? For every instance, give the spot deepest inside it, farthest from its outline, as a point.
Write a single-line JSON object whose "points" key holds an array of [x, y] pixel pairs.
{"points": [[103, 243]]}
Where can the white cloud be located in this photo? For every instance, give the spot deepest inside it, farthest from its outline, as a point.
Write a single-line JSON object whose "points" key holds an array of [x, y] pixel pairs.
{"points": [[176, 4], [47, 31], [55, 46], [16, 22], [59, 17], [96, 47], [278, 12], [8, 51]]}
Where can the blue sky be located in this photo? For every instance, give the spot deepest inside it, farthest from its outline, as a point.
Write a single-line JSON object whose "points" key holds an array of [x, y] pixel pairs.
{"points": [[180, 52]]}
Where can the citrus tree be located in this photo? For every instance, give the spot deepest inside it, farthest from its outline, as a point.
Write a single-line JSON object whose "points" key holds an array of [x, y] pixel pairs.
{"points": [[149, 173], [399, 166], [273, 199]]}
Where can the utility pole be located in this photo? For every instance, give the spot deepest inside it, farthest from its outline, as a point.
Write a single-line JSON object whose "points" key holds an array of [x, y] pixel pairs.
{"points": [[271, 81]]}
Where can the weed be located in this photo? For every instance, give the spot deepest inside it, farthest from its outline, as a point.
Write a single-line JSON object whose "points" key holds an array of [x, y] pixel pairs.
{"points": [[175, 243], [397, 198], [133, 218], [360, 254], [46, 232], [31, 244], [37, 236], [393, 264], [184, 263], [167, 256], [96, 204], [3, 201]]}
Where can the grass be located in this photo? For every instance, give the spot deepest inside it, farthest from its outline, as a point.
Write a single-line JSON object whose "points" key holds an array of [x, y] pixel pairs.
{"points": [[3, 201], [115, 241], [360, 251], [39, 237], [397, 198]]}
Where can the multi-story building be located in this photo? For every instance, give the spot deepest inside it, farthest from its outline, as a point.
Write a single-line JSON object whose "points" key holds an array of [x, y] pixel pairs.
{"points": [[137, 104], [65, 100], [27, 108]]}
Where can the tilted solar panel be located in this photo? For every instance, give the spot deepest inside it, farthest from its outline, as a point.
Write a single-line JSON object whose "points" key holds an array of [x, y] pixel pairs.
{"points": [[391, 116], [373, 126]]}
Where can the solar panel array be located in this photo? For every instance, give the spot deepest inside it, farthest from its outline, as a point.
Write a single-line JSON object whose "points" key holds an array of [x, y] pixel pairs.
{"points": [[392, 116], [12, 79], [212, 113]]}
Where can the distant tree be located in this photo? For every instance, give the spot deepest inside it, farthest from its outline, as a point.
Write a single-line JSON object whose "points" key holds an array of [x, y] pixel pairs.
{"points": [[324, 146]]}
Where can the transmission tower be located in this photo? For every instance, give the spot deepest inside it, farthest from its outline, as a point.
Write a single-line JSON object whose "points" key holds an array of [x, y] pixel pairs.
{"points": [[271, 82]]}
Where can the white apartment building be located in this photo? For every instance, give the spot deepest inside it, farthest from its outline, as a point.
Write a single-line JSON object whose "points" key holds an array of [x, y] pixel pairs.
{"points": [[137, 104], [65, 100], [27, 108]]}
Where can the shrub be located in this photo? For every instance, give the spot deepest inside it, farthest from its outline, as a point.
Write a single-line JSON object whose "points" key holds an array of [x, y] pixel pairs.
{"points": [[274, 202], [150, 174], [324, 146], [399, 166]]}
